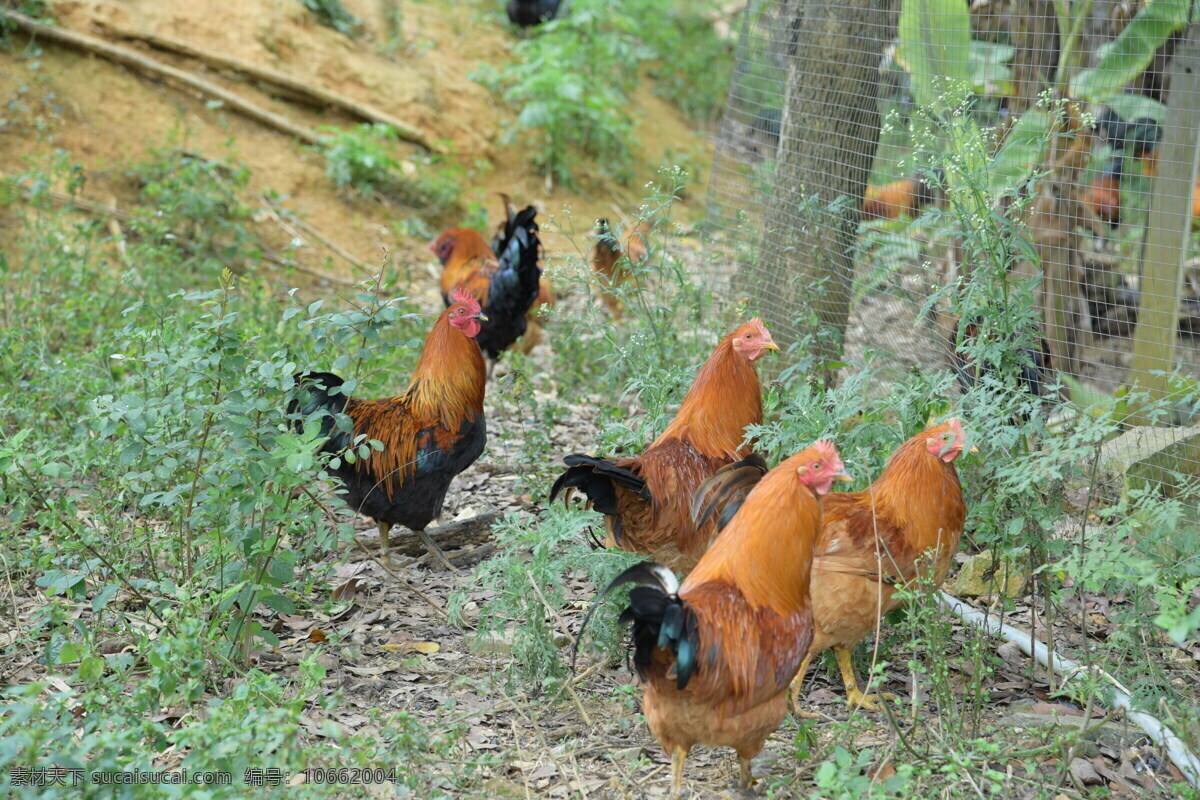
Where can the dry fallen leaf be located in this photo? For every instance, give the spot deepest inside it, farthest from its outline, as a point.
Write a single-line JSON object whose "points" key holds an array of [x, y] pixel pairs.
{"points": [[346, 590], [413, 647], [317, 635]]}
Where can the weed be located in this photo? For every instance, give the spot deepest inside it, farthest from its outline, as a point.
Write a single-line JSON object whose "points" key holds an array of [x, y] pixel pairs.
{"points": [[332, 14], [361, 160]]}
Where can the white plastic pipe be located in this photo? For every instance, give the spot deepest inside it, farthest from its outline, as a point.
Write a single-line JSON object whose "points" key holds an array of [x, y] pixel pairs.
{"points": [[1114, 693]]}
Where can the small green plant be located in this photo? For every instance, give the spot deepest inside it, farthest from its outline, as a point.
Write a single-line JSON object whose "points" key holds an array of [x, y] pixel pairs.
{"points": [[360, 160], [333, 14], [529, 577]]}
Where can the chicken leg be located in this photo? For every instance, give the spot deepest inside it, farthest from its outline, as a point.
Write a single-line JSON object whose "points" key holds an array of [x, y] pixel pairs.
{"points": [[745, 777], [384, 527], [436, 552], [854, 695], [678, 756], [798, 685]]}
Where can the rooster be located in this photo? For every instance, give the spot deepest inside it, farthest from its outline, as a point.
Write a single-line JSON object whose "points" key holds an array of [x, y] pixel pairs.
{"points": [[545, 297], [527, 13], [900, 198], [645, 500], [716, 654], [431, 431], [607, 255], [1036, 368], [506, 282], [870, 542], [1102, 197]]}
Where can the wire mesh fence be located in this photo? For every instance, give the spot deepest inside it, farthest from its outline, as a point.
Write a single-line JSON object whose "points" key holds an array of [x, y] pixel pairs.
{"points": [[956, 186]]}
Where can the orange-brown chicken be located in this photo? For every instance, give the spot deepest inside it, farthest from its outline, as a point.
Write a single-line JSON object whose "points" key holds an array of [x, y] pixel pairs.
{"points": [[612, 258], [645, 500], [506, 282], [908, 521], [1102, 197], [900, 198], [716, 654], [430, 432]]}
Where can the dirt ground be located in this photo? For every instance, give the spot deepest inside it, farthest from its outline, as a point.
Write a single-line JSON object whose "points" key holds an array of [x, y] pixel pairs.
{"points": [[107, 117]]}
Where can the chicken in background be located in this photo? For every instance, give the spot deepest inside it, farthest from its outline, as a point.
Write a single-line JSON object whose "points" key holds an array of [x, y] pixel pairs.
{"points": [[506, 282], [612, 258], [716, 655], [431, 431], [1036, 366], [907, 523], [900, 198], [1138, 140], [1102, 197], [645, 500], [528, 13], [545, 297]]}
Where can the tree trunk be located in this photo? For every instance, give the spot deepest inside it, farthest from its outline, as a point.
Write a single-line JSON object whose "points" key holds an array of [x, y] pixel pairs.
{"points": [[828, 135]]}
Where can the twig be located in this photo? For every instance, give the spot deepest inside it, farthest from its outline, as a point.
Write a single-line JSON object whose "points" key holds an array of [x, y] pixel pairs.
{"points": [[99, 209], [320, 237], [396, 577], [570, 689], [314, 95], [1115, 695], [333, 518], [129, 58]]}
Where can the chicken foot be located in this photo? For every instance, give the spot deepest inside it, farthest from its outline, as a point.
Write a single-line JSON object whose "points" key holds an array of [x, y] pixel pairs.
{"points": [[798, 688], [436, 552], [854, 695]]}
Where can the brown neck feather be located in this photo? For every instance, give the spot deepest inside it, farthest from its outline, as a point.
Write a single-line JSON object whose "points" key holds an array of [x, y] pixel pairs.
{"points": [[450, 376], [921, 489], [766, 551], [725, 397]]}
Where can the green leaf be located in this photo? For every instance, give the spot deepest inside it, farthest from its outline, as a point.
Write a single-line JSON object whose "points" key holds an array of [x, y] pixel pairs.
{"points": [[91, 668], [69, 652], [1127, 56], [280, 603], [105, 595], [1021, 152], [1131, 106], [935, 48]]}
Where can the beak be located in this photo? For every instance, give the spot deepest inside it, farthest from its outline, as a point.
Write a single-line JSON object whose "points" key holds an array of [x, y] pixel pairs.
{"points": [[973, 449], [844, 477], [770, 346], [482, 317]]}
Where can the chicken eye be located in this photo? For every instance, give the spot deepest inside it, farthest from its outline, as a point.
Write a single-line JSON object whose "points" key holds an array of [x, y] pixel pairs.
{"points": [[747, 336], [816, 465], [946, 437]]}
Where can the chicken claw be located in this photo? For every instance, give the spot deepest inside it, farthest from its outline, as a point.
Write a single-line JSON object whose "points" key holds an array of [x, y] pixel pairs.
{"points": [[854, 695]]}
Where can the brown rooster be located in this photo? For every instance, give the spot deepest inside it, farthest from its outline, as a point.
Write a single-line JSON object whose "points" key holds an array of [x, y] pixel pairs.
{"points": [[871, 541], [607, 255], [431, 431], [900, 198], [716, 654], [645, 500], [506, 282]]}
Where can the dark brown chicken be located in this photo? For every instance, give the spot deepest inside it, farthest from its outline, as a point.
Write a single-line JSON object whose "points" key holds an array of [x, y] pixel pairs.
{"points": [[645, 500]]}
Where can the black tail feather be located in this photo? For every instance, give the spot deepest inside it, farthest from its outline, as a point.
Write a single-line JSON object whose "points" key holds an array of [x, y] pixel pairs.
{"points": [[318, 391], [726, 490], [515, 287], [598, 478], [659, 618]]}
